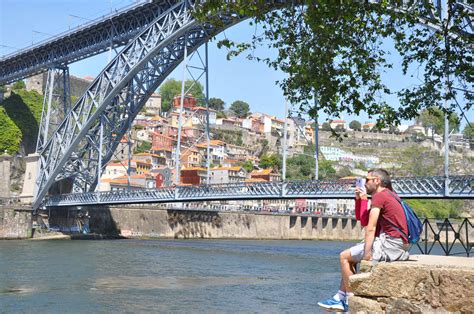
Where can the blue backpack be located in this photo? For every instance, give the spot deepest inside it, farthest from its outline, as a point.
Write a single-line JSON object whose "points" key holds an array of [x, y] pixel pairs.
{"points": [[415, 227]]}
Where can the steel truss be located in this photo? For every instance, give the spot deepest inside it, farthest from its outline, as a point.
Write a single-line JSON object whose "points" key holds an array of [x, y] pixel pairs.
{"points": [[196, 70], [73, 157], [409, 187], [95, 37], [56, 104], [115, 97]]}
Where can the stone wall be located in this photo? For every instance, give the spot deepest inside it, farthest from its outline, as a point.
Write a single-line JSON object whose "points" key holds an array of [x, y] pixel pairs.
{"points": [[424, 284], [139, 222], [15, 224], [5, 164]]}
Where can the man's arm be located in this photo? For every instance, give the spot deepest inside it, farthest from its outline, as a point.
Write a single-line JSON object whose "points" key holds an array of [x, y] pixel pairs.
{"points": [[370, 232]]}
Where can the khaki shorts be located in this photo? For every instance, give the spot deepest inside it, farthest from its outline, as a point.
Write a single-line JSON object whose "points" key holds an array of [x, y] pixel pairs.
{"points": [[385, 248]]}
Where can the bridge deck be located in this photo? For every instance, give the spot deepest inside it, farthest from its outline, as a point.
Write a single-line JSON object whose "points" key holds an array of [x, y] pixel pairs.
{"points": [[408, 187], [112, 30]]}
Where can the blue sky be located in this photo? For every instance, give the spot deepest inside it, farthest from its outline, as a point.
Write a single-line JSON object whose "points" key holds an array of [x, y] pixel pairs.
{"points": [[23, 22]]}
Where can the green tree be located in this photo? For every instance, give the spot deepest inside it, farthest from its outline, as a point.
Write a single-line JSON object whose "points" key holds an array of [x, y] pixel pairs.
{"points": [[172, 87], [18, 85], [247, 165], [336, 50], [216, 104], [468, 131], [240, 108], [220, 115], [433, 118], [300, 167], [326, 126], [355, 125], [270, 161], [143, 147], [326, 170]]}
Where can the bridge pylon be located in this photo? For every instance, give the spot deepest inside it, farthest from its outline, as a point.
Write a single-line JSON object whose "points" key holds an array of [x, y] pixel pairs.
{"points": [[56, 103]]}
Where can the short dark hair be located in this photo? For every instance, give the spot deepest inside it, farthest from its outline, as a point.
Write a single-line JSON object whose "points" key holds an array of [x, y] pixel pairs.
{"points": [[384, 176]]}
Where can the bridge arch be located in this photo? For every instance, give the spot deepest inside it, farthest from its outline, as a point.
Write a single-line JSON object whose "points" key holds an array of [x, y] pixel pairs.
{"points": [[116, 96]]}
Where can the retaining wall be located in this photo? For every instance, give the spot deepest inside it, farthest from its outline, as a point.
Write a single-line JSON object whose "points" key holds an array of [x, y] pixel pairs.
{"points": [[134, 222], [15, 224]]}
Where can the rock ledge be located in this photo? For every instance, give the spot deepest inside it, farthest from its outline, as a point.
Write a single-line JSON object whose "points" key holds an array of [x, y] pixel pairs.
{"points": [[425, 283]]}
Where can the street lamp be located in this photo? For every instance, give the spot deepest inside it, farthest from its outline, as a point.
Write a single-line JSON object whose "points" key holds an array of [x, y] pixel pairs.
{"points": [[38, 32], [77, 17]]}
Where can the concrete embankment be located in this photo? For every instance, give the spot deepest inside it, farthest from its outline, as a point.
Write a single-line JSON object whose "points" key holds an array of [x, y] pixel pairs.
{"points": [[424, 284], [139, 222]]}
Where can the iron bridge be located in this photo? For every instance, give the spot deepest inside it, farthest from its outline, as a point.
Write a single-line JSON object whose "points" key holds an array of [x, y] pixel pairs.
{"points": [[407, 187], [156, 36]]}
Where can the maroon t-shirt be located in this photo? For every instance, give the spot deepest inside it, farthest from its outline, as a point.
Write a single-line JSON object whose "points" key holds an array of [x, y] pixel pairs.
{"points": [[390, 209]]}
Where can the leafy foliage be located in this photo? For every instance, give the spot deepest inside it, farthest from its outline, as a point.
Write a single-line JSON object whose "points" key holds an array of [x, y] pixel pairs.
{"points": [[469, 131], [334, 50], [247, 165], [143, 147], [18, 85], [270, 161], [240, 108], [21, 111], [10, 134], [221, 115], [436, 208], [172, 88], [433, 117], [355, 125], [326, 126], [216, 104]]}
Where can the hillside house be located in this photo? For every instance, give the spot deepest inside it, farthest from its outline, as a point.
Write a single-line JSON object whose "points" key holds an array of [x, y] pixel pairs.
{"points": [[224, 175], [268, 175]]}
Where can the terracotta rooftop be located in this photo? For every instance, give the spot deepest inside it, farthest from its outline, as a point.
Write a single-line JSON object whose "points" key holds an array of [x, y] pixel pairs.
{"points": [[262, 171]]}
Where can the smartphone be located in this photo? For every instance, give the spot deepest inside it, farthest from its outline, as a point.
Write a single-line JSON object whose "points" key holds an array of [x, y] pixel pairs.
{"points": [[360, 183]]}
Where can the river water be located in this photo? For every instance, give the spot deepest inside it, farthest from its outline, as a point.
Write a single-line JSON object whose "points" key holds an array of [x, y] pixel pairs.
{"points": [[198, 276]]}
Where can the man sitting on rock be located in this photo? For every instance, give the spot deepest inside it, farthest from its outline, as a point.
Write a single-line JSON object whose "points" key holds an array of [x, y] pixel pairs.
{"points": [[383, 239]]}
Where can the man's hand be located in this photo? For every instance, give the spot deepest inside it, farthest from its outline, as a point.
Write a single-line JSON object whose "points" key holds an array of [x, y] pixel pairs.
{"points": [[360, 194]]}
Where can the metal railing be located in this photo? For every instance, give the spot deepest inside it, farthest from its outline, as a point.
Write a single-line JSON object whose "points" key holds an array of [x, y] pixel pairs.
{"points": [[409, 187], [445, 235]]}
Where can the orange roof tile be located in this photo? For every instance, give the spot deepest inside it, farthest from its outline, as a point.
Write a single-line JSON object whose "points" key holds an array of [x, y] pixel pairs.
{"points": [[194, 168], [213, 143], [228, 168], [262, 171], [204, 108]]}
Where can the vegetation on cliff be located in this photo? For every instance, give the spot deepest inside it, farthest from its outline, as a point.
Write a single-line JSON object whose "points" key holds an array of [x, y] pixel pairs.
{"points": [[19, 120]]}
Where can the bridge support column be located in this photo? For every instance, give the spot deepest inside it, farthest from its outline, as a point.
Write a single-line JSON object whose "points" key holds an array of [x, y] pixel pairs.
{"points": [[56, 105], [5, 165], [31, 173]]}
